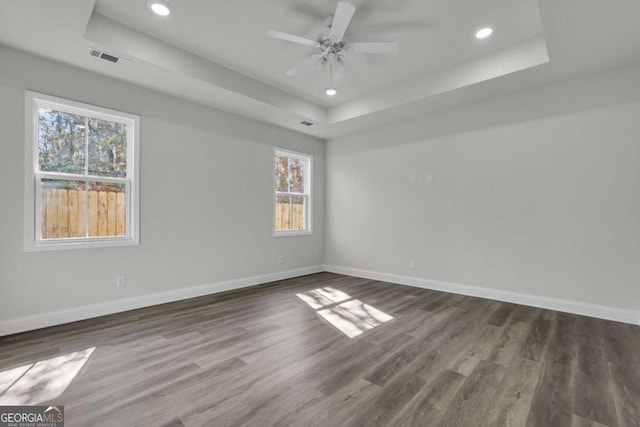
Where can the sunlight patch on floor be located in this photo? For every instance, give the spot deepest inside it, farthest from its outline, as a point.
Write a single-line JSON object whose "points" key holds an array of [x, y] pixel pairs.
{"points": [[41, 381], [350, 316], [322, 297]]}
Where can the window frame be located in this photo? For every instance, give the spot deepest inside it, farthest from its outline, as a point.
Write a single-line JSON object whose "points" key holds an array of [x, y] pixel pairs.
{"points": [[32, 199], [308, 178]]}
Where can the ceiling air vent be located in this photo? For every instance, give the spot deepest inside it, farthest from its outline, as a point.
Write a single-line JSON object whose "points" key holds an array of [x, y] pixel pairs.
{"points": [[108, 57], [306, 123]]}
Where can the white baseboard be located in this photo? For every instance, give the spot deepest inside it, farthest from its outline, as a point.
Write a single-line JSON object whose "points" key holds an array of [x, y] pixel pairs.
{"points": [[37, 321], [584, 309]]}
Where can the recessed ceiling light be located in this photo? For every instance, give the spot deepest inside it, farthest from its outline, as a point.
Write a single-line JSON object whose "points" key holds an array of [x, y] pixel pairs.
{"points": [[159, 7], [330, 91], [483, 33]]}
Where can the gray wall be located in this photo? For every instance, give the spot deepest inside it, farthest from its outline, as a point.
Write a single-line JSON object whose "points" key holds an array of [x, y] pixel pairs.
{"points": [[537, 193], [206, 197]]}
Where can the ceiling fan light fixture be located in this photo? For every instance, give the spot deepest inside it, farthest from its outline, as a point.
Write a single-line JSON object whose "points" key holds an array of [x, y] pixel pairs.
{"points": [[330, 91], [332, 48], [483, 33], [159, 7]]}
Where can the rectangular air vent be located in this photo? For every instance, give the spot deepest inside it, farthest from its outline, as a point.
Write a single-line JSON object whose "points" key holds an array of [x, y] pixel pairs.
{"points": [[98, 54], [110, 58], [306, 123]]}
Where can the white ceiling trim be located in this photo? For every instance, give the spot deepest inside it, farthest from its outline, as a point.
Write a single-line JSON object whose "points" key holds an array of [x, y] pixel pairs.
{"points": [[115, 36], [511, 60], [576, 38]]}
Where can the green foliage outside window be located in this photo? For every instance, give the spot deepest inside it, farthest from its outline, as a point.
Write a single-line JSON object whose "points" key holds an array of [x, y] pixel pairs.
{"points": [[71, 143], [289, 175]]}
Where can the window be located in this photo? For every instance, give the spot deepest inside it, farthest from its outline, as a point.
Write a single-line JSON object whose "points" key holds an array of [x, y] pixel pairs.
{"points": [[292, 198], [81, 175]]}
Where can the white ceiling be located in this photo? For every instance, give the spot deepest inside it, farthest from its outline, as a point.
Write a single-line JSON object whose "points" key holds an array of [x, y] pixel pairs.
{"points": [[217, 53], [432, 34]]}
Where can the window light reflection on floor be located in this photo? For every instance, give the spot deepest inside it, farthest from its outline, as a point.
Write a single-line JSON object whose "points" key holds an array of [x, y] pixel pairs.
{"points": [[351, 316], [41, 381]]}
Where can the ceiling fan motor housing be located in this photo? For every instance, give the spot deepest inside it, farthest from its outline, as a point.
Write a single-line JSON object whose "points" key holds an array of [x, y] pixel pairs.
{"points": [[330, 46]]}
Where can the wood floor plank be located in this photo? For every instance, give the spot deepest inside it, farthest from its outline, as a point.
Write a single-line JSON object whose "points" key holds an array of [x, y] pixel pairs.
{"points": [[509, 344], [592, 398], [619, 344], [475, 397], [383, 405], [436, 301], [501, 315], [536, 342], [358, 366], [262, 356], [336, 409], [551, 404], [592, 385], [563, 346], [514, 396], [281, 409], [578, 421], [173, 423], [523, 313], [448, 337], [425, 324], [626, 393], [466, 362], [429, 404], [405, 383]]}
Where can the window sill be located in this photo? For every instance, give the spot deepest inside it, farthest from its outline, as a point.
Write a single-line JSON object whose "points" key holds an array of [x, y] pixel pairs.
{"points": [[292, 233], [79, 244]]}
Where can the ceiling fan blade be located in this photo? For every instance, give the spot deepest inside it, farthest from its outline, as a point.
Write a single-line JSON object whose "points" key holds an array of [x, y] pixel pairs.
{"points": [[341, 20], [373, 47], [313, 61], [292, 38]]}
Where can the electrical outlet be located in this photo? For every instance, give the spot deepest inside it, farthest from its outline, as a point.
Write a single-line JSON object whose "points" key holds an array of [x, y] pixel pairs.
{"points": [[121, 281], [429, 176], [280, 259], [413, 264], [413, 178]]}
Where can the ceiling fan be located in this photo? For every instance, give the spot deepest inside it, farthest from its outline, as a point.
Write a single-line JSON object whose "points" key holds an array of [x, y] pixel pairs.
{"points": [[332, 46]]}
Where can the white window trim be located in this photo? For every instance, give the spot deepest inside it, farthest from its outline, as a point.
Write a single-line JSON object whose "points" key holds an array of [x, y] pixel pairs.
{"points": [[307, 192], [32, 229]]}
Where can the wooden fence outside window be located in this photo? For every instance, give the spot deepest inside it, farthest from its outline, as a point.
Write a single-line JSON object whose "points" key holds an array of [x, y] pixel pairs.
{"points": [[65, 215], [289, 216]]}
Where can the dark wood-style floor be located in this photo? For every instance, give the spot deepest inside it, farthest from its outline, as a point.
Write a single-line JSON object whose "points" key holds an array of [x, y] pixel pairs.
{"points": [[281, 354]]}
